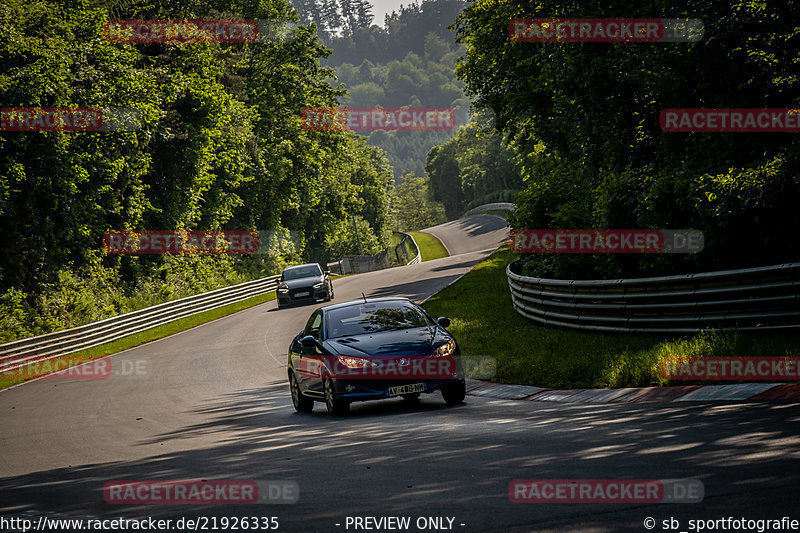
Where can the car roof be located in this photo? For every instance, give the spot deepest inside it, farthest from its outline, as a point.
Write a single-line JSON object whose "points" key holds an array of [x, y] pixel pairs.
{"points": [[361, 301], [302, 266]]}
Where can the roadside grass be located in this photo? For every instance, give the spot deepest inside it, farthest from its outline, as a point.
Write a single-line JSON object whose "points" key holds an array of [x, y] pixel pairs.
{"points": [[485, 324], [396, 239], [429, 246], [6, 380]]}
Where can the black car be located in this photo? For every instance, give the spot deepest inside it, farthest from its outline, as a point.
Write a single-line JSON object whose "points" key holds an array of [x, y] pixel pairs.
{"points": [[370, 350], [304, 283]]}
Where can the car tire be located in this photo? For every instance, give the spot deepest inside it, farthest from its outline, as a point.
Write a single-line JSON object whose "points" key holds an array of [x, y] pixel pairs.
{"points": [[336, 406], [302, 404], [413, 397], [454, 393]]}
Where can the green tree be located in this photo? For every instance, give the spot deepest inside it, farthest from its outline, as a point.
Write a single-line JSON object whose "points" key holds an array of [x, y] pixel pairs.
{"points": [[585, 120], [413, 207], [220, 145]]}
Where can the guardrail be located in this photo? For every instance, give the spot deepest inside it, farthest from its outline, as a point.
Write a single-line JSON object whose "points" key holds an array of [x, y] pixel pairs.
{"points": [[499, 206], [418, 257], [359, 264], [16, 354], [753, 299]]}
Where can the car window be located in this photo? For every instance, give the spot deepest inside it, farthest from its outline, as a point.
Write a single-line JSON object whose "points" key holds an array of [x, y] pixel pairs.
{"points": [[368, 317], [304, 272], [314, 325]]}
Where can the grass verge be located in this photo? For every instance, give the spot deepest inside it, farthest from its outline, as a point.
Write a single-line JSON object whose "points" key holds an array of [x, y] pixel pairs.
{"points": [[486, 324], [396, 239], [429, 246], [7, 380]]}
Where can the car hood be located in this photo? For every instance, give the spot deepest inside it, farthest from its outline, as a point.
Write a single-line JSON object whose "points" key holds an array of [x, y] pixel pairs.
{"points": [[302, 282], [414, 341]]}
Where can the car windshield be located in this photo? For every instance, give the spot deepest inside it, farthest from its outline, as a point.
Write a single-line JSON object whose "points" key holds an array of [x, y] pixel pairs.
{"points": [[373, 317], [302, 272]]}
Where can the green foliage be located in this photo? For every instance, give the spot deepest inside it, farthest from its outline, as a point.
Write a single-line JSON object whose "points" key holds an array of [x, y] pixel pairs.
{"points": [[473, 168], [220, 147], [345, 241], [584, 121], [409, 79], [405, 30], [409, 63], [413, 207], [407, 150]]}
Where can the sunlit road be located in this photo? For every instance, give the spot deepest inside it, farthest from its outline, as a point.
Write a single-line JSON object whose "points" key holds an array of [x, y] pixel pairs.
{"points": [[469, 234], [215, 405]]}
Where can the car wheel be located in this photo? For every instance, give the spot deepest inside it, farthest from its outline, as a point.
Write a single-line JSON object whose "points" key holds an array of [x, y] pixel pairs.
{"points": [[336, 406], [302, 404], [454, 393], [411, 397]]}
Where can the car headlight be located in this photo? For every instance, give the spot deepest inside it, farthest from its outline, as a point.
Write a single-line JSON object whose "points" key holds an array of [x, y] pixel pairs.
{"points": [[319, 285], [283, 290], [446, 349], [356, 362]]}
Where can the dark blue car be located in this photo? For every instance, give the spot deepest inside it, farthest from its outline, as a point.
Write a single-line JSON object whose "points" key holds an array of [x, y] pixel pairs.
{"points": [[371, 350]]}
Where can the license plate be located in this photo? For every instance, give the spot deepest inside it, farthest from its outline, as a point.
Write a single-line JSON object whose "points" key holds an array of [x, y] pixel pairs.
{"points": [[299, 294], [406, 389]]}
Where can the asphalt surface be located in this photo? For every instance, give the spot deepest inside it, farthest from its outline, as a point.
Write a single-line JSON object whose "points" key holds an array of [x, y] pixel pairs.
{"points": [[477, 232], [213, 403]]}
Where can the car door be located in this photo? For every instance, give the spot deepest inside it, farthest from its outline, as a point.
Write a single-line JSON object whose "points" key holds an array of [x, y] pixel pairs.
{"points": [[310, 358]]}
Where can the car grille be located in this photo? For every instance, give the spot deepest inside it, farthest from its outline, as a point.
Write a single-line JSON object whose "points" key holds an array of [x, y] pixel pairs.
{"points": [[309, 290]]}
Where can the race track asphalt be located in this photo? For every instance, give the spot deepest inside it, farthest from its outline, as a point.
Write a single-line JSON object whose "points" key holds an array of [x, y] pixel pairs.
{"points": [[214, 404]]}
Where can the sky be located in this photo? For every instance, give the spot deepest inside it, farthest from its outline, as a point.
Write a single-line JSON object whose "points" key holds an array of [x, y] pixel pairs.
{"points": [[384, 7]]}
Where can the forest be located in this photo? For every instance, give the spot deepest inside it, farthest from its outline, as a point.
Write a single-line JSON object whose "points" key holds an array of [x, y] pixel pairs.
{"points": [[583, 121], [568, 131], [219, 145]]}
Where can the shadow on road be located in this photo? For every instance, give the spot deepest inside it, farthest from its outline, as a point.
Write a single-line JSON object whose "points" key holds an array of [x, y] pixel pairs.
{"points": [[414, 290], [391, 456], [465, 264], [479, 224]]}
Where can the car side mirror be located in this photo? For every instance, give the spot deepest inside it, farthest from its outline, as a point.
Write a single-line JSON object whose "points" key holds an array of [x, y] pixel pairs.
{"points": [[327, 272], [443, 321], [308, 341]]}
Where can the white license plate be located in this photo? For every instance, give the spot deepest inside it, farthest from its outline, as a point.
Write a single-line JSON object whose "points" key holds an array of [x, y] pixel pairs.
{"points": [[299, 294], [406, 389]]}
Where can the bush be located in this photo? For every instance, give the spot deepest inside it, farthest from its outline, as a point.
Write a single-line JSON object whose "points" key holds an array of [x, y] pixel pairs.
{"points": [[748, 216]]}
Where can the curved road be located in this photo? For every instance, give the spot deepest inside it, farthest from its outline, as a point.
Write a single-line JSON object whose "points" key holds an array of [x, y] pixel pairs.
{"points": [[214, 404], [478, 232]]}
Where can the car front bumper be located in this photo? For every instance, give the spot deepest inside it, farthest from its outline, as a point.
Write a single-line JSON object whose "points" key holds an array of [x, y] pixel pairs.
{"points": [[289, 298], [362, 391]]}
